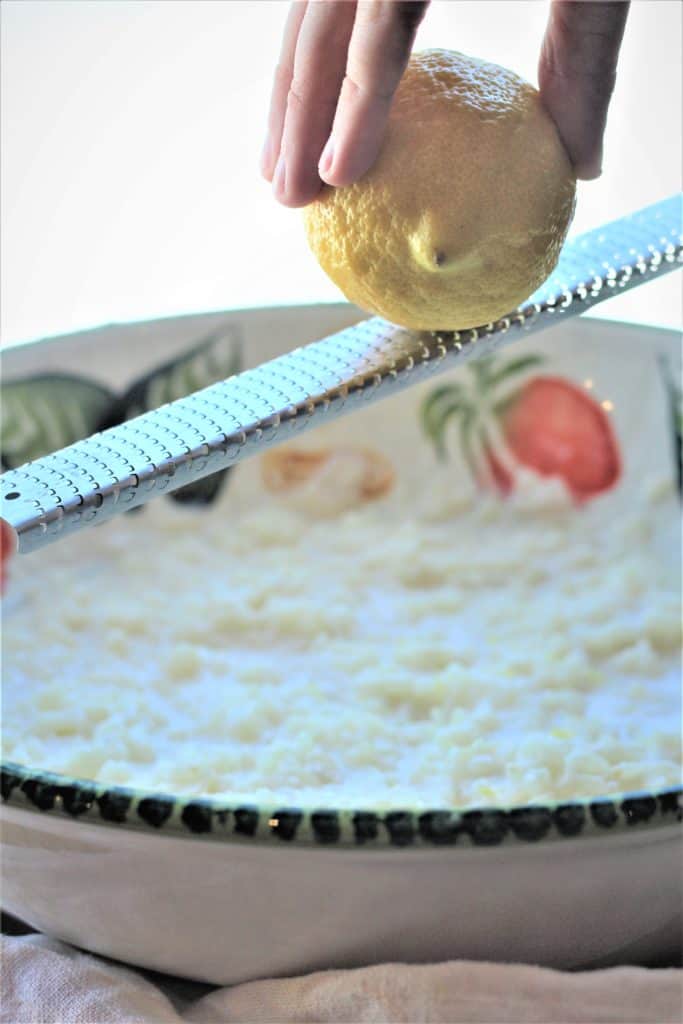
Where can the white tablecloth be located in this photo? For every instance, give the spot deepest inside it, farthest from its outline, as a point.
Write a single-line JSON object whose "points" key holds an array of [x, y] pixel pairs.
{"points": [[47, 981]]}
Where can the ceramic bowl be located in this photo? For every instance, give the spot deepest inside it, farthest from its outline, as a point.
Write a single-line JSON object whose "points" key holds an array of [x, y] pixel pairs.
{"points": [[226, 893]]}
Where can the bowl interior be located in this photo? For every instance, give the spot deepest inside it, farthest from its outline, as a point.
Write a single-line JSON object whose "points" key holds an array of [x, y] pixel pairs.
{"points": [[625, 370]]}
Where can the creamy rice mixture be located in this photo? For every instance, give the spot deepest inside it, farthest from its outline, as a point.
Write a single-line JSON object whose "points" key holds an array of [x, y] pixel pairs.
{"points": [[430, 648]]}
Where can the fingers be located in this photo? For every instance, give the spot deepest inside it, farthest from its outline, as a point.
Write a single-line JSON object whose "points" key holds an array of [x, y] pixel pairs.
{"points": [[382, 37], [313, 93], [311, 97], [340, 65], [577, 72], [278, 99]]}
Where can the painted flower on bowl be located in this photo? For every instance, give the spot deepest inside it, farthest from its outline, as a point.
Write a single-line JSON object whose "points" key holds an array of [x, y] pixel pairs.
{"points": [[547, 424], [326, 482]]}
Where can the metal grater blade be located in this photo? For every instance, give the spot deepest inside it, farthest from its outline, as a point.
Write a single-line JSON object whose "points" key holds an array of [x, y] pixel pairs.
{"points": [[130, 464]]}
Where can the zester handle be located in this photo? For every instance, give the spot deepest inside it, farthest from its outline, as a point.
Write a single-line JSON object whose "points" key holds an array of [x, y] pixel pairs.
{"points": [[113, 471]]}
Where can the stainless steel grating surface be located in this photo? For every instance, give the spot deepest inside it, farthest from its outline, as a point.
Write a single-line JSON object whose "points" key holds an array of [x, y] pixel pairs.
{"points": [[96, 478]]}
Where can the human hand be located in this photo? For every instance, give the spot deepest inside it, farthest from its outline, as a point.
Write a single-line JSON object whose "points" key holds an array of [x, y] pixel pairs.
{"points": [[8, 546], [341, 63], [577, 72]]}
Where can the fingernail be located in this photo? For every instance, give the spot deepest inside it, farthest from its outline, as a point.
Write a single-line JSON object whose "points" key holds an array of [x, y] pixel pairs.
{"points": [[279, 176], [326, 157]]}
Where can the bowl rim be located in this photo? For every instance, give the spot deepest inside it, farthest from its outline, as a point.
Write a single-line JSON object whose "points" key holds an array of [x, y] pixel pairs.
{"points": [[232, 821]]}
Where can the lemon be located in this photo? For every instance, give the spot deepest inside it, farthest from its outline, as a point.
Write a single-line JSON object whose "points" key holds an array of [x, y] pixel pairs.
{"points": [[465, 211]]}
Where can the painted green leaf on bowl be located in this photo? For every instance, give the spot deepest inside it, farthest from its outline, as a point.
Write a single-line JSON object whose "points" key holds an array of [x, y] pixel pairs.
{"points": [[48, 411]]}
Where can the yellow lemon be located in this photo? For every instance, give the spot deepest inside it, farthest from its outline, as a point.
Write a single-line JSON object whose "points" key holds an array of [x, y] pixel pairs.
{"points": [[465, 211]]}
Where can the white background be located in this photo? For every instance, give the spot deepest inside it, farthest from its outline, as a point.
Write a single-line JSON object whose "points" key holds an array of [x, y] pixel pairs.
{"points": [[131, 132]]}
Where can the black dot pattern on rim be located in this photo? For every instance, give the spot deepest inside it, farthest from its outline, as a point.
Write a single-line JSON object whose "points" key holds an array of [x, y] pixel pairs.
{"points": [[197, 817], [365, 826], [638, 809], [530, 823], [439, 827], [76, 799], [569, 819], [325, 825], [155, 810], [49, 791], [9, 781], [114, 805], [246, 821], [604, 813], [284, 824], [399, 825], [486, 827], [671, 803], [41, 794]]}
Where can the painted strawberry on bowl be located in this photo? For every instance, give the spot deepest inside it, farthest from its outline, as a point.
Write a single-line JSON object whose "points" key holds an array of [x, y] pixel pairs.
{"points": [[547, 424]]}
